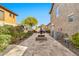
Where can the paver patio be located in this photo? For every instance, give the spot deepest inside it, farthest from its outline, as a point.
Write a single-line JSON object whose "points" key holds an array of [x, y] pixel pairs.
{"points": [[51, 47]]}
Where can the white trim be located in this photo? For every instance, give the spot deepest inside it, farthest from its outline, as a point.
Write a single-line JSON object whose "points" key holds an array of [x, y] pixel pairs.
{"points": [[4, 23], [11, 24], [1, 23], [71, 14]]}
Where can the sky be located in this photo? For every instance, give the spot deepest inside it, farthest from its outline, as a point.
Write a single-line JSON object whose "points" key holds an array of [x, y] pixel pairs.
{"points": [[38, 10]]}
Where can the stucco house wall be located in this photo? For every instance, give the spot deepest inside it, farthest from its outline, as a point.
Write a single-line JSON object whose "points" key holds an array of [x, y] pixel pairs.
{"points": [[60, 18], [8, 16]]}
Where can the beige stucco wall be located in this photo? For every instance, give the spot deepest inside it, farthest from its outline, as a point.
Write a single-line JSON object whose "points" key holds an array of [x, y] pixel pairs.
{"points": [[62, 20]]}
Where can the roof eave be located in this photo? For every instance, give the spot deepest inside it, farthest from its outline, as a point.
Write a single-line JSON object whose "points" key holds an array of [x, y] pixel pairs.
{"points": [[51, 8], [8, 10]]}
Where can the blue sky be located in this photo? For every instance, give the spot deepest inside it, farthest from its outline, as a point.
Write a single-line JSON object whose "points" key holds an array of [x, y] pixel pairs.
{"points": [[38, 10]]}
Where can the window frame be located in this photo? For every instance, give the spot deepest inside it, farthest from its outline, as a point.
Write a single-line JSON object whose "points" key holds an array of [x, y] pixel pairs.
{"points": [[11, 15], [71, 18], [57, 12]]}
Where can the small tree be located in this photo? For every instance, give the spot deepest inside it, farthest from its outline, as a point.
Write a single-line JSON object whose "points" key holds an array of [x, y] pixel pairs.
{"points": [[31, 21]]}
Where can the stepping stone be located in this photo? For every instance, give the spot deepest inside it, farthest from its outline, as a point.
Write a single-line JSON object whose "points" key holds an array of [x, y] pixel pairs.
{"points": [[16, 51]]}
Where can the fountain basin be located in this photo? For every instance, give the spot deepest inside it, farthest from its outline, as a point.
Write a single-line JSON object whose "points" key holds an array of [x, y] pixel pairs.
{"points": [[41, 35], [41, 38]]}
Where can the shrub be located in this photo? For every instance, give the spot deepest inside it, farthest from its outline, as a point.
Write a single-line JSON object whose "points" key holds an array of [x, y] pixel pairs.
{"points": [[15, 32], [4, 41], [65, 35], [10, 30], [75, 39], [48, 31], [10, 34], [29, 33], [4, 30]]}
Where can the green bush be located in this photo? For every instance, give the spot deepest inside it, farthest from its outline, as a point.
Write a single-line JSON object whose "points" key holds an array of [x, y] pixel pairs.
{"points": [[29, 33], [16, 32], [10, 34], [4, 41], [75, 39], [65, 35], [10, 30], [4, 30], [48, 31]]}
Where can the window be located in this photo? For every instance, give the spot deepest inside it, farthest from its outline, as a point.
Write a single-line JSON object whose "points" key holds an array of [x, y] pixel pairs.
{"points": [[1, 15], [57, 12], [11, 15], [71, 18]]}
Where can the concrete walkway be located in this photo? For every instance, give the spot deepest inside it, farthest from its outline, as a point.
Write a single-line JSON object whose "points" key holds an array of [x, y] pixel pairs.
{"points": [[31, 47], [51, 47], [16, 51]]}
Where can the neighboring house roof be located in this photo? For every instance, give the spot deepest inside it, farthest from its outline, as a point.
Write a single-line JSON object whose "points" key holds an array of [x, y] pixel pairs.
{"points": [[8, 10], [51, 8], [48, 24], [39, 26]]}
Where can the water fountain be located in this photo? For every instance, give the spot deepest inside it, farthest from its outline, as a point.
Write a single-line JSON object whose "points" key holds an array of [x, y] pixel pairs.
{"points": [[41, 36]]}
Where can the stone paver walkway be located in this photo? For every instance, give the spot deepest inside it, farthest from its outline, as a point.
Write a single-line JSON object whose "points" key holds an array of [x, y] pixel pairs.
{"points": [[51, 47], [16, 51]]}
